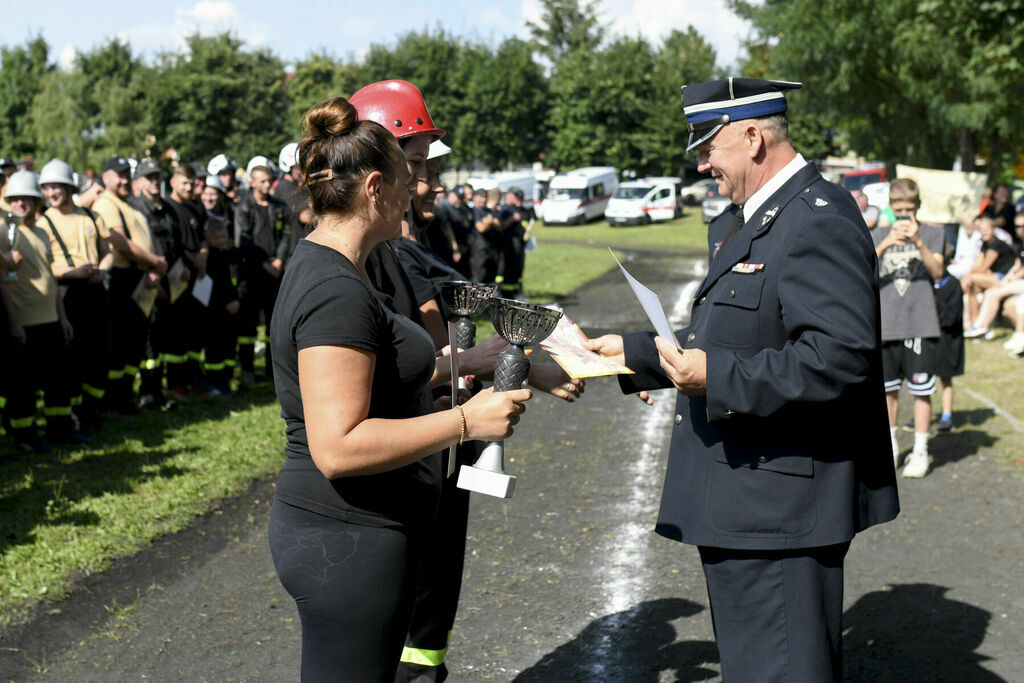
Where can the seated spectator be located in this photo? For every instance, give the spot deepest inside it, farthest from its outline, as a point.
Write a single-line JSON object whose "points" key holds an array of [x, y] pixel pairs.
{"points": [[992, 265], [868, 212], [1013, 309], [968, 246], [1000, 209]]}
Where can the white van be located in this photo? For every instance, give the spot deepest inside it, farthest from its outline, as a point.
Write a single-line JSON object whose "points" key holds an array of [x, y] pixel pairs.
{"points": [[580, 195], [644, 201], [506, 180]]}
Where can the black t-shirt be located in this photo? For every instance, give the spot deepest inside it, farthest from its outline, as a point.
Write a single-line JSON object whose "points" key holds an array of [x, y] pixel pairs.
{"points": [[1007, 213], [424, 268], [325, 301], [1005, 255]]}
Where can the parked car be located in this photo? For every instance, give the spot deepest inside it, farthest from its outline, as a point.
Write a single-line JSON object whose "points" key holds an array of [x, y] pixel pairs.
{"points": [[856, 180], [644, 201], [694, 194], [713, 204]]}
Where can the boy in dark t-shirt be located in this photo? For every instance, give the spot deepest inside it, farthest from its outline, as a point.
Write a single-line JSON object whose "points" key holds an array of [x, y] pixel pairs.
{"points": [[910, 261]]}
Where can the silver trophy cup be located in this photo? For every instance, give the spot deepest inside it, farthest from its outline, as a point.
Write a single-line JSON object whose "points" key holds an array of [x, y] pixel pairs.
{"points": [[520, 325], [466, 300]]}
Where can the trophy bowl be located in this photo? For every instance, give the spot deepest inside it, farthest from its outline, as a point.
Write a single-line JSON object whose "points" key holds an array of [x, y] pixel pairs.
{"points": [[466, 298], [522, 324]]}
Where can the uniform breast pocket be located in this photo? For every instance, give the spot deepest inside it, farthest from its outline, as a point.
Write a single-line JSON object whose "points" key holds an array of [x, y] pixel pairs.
{"points": [[732, 323]]}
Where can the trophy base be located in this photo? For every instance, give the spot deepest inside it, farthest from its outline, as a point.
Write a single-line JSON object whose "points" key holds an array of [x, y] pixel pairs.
{"points": [[497, 484]]}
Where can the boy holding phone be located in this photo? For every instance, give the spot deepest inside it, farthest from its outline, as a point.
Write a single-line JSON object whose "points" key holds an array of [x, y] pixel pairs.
{"points": [[909, 263]]}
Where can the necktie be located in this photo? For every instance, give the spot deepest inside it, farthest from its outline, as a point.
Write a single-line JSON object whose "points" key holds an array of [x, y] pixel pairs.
{"points": [[737, 223]]}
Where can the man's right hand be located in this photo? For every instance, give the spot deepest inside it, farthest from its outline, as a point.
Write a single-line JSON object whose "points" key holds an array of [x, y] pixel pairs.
{"points": [[608, 346]]}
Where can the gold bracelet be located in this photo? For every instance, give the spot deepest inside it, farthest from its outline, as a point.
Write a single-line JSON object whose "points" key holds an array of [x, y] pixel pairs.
{"points": [[462, 433]]}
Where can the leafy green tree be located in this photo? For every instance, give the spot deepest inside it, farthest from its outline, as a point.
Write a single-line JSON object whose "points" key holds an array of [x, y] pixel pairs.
{"points": [[22, 70], [566, 26], [508, 123], [600, 102], [317, 78], [921, 82], [685, 57], [218, 97]]}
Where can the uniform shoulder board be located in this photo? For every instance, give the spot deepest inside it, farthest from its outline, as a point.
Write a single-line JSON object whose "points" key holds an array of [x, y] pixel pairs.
{"points": [[818, 200]]}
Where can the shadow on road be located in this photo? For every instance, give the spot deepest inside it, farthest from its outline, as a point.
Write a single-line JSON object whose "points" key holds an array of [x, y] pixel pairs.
{"points": [[915, 633], [633, 646]]}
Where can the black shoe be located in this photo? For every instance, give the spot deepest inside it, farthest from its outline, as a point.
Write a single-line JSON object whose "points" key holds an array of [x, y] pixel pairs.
{"points": [[150, 402], [32, 444], [909, 426], [945, 426]]}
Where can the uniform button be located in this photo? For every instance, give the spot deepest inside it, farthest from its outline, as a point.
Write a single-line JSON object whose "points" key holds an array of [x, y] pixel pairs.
{"points": [[762, 459], [691, 337], [702, 300], [732, 293], [679, 419]]}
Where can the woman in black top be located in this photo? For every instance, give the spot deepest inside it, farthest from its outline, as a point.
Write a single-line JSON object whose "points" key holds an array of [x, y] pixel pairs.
{"points": [[363, 470], [994, 261]]}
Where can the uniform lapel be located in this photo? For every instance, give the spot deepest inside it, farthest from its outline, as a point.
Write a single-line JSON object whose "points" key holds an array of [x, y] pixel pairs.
{"points": [[756, 226]]}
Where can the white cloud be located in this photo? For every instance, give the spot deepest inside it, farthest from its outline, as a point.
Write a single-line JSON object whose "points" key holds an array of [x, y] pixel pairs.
{"points": [[209, 11], [654, 19], [66, 60]]}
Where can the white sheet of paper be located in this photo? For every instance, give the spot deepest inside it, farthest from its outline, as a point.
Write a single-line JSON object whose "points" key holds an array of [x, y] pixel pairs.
{"points": [[649, 302], [202, 289]]}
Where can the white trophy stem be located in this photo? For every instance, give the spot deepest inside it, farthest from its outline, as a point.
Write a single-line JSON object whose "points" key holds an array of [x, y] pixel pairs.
{"points": [[487, 475]]}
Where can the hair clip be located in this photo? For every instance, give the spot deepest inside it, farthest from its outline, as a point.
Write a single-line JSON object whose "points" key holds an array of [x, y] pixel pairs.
{"points": [[320, 176]]}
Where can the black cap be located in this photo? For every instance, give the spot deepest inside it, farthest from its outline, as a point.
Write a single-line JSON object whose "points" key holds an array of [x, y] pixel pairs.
{"points": [[147, 167], [6, 161], [516, 191], [199, 168], [117, 164], [709, 106]]}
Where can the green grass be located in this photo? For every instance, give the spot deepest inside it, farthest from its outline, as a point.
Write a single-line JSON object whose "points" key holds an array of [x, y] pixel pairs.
{"points": [[72, 513], [687, 234]]}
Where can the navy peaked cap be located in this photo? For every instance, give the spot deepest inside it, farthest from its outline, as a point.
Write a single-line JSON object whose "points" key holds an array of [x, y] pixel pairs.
{"points": [[709, 106]]}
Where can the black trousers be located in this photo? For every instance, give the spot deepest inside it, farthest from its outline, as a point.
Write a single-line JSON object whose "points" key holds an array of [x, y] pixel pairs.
{"points": [[439, 583], [221, 338], [39, 363], [777, 613], [86, 306], [354, 587], [129, 329], [260, 297]]}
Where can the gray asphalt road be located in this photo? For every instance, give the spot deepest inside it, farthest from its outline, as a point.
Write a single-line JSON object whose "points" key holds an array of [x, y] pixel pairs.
{"points": [[566, 581]]}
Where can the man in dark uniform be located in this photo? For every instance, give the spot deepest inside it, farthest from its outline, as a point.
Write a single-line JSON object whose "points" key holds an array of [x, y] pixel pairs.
{"points": [[263, 233], [780, 450], [290, 191], [187, 309], [164, 345]]}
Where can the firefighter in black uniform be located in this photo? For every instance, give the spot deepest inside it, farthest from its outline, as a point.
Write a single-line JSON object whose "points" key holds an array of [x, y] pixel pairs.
{"points": [[263, 233], [164, 344], [187, 309]]}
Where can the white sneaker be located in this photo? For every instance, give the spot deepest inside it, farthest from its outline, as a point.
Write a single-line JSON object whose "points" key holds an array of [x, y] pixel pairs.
{"points": [[975, 332], [917, 465], [1015, 344]]}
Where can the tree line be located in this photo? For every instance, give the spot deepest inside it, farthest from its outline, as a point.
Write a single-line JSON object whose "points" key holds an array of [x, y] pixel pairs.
{"points": [[899, 80]]}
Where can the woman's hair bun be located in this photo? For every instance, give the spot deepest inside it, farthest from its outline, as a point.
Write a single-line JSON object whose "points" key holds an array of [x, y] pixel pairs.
{"points": [[333, 117]]}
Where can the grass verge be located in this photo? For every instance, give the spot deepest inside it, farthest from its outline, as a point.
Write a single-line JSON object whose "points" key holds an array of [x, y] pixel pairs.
{"points": [[685, 234], [73, 513]]}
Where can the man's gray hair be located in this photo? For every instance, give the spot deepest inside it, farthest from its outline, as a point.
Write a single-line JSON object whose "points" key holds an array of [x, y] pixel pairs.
{"points": [[777, 125]]}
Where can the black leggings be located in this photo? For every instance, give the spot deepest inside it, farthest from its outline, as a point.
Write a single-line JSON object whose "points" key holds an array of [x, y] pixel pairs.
{"points": [[354, 587]]}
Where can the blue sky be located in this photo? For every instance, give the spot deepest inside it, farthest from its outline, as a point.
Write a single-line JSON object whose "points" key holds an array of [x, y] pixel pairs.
{"points": [[293, 28]]}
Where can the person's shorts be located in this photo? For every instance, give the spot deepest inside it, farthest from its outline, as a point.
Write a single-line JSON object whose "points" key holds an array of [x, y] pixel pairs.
{"points": [[949, 354], [912, 360]]}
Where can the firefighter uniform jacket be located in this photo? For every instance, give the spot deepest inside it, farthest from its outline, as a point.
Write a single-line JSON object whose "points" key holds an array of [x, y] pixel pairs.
{"points": [[789, 447], [263, 233]]}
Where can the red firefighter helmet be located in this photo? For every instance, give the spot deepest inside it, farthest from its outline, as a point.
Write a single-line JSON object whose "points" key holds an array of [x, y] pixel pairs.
{"points": [[398, 106]]}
